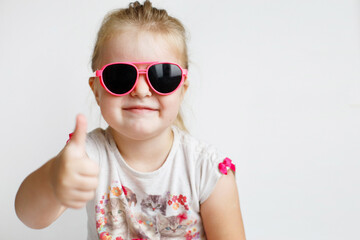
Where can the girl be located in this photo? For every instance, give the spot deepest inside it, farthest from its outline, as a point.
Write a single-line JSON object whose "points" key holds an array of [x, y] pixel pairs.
{"points": [[144, 176]]}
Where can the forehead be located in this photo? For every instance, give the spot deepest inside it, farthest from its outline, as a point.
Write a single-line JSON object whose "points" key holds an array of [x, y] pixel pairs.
{"points": [[134, 45]]}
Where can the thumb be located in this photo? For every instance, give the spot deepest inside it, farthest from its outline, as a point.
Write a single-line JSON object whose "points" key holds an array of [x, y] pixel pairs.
{"points": [[79, 135]]}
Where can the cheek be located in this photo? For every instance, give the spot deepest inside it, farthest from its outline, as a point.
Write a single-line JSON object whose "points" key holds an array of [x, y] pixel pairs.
{"points": [[103, 100], [171, 105], [108, 104]]}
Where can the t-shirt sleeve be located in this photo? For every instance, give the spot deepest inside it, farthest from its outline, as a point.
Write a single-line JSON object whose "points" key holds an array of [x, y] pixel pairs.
{"points": [[209, 173]]}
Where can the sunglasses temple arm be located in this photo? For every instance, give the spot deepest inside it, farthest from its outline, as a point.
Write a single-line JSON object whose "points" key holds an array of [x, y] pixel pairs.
{"points": [[97, 73]]}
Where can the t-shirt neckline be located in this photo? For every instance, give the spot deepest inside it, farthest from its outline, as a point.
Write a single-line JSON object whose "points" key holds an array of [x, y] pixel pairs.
{"points": [[139, 174]]}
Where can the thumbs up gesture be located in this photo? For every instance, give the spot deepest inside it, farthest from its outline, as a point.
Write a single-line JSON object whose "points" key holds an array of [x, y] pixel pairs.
{"points": [[74, 177]]}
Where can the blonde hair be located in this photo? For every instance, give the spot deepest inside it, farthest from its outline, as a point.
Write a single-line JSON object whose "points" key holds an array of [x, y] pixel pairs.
{"points": [[143, 16]]}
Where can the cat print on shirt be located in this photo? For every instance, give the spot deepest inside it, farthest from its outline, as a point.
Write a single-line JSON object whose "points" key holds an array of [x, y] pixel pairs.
{"points": [[154, 204], [147, 225], [115, 214], [130, 196], [173, 226], [167, 216]]}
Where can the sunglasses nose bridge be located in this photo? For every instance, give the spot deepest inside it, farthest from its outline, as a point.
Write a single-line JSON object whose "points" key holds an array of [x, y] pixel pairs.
{"points": [[142, 71], [142, 86]]}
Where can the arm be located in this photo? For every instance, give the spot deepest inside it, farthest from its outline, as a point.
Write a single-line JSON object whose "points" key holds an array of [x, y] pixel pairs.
{"points": [[221, 213], [36, 204], [66, 181]]}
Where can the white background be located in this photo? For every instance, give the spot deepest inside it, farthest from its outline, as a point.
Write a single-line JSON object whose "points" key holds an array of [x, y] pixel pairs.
{"points": [[275, 84]]}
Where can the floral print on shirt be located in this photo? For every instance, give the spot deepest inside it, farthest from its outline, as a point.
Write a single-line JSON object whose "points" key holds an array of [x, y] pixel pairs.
{"points": [[120, 215]]}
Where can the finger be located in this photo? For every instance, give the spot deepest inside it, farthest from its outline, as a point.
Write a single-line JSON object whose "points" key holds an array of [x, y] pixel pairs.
{"points": [[88, 168], [74, 204], [80, 132], [75, 195], [82, 196], [86, 183]]}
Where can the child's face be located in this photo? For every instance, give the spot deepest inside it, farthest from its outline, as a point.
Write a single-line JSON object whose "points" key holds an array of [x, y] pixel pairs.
{"points": [[142, 113]]}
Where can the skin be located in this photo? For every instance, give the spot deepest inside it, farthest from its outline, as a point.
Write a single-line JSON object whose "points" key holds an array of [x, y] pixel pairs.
{"points": [[140, 123], [221, 213], [66, 181]]}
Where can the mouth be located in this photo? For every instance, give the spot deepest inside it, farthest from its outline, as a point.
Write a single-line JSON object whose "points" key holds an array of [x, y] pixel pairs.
{"points": [[140, 109]]}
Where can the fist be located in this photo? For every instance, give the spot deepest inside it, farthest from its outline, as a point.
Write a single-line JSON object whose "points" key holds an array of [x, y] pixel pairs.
{"points": [[74, 177]]}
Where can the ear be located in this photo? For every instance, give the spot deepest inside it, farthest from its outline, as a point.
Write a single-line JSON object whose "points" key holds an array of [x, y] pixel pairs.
{"points": [[94, 87], [185, 87]]}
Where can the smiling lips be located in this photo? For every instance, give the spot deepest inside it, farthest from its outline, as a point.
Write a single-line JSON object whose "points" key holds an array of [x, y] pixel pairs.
{"points": [[139, 109]]}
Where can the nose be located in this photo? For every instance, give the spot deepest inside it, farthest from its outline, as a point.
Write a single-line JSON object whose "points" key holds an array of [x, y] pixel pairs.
{"points": [[142, 88]]}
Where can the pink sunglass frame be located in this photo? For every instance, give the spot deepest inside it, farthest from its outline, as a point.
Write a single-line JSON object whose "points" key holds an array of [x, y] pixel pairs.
{"points": [[98, 73]]}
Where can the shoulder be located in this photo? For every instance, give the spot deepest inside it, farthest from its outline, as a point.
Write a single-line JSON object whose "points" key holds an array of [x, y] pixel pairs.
{"points": [[99, 136], [96, 140], [199, 150], [96, 133], [206, 161]]}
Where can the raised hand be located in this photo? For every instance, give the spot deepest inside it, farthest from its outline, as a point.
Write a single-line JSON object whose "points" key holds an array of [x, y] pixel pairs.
{"points": [[74, 177]]}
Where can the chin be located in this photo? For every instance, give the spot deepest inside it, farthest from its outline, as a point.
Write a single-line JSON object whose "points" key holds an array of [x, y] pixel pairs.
{"points": [[142, 132]]}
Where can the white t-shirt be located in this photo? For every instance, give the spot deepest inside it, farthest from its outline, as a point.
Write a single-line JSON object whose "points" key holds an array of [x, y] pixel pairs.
{"points": [[161, 204]]}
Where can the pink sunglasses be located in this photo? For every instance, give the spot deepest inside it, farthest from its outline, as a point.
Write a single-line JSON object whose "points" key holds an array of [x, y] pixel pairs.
{"points": [[120, 78]]}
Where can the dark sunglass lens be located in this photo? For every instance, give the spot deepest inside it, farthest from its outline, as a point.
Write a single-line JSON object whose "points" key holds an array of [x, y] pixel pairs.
{"points": [[165, 77], [119, 78]]}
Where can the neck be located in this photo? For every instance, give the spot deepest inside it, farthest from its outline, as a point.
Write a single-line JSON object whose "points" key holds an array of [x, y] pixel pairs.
{"points": [[144, 155]]}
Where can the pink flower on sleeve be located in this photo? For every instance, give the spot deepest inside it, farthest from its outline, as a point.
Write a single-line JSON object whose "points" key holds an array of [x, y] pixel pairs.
{"points": [[225, 165]]}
